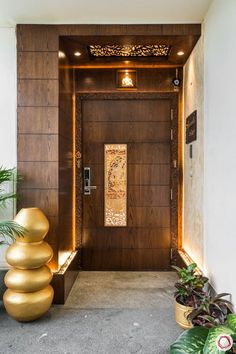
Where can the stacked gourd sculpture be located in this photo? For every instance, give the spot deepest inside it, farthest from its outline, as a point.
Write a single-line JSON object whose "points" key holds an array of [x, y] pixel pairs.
{"points": [[29, 294]]}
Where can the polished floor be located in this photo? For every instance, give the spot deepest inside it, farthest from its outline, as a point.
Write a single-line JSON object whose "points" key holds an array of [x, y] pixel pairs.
{"points": [[106, 313]]}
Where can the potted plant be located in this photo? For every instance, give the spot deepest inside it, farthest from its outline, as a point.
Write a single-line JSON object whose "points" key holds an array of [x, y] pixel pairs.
{"points": [[8, 229], [188, 294], [212, 311], [203, 340]]}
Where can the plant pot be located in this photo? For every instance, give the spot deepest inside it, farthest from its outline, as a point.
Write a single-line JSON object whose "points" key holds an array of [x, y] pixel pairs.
{"points": [[29, 294], [181, 314]]}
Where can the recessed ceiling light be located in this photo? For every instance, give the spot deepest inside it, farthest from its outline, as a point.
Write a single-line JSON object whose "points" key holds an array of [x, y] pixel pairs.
{"points": [[77, 54], [61, 54], [180, 53]]}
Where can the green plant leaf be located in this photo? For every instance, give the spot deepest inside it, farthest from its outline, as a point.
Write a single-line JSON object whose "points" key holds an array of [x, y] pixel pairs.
{"points": [[191, 267], [9, 230], [176, 268], [210, 345], [231, 319], [191, 341]]}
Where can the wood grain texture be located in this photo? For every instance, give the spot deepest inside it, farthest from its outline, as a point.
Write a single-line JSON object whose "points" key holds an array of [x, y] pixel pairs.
{"points": [[38, 93], [146, 196], [135, 30], [43, 65], [138, 196], [101, 80], [45, 199], [66, 139], [37, 147], [149, 181], [149, 174], [132, 259], [137, 217], [38, 103], [138, 174], [37, 174], [130, 237], [38, 120], [150, 110], [38, 126], [179, 37], [52, 235], [37, 38], [125, 132], [150, 153]]}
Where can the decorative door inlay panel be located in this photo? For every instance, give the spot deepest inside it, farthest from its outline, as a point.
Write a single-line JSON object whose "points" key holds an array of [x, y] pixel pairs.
{"points": [[115, 185]]}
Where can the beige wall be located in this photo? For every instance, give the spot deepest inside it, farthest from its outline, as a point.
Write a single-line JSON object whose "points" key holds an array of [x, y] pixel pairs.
{"points": [[194, 168], [220, 146], [7, 114]]}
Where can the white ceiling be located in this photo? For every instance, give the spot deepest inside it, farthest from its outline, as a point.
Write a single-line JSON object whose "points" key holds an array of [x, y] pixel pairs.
{"points": [[102, 11]]}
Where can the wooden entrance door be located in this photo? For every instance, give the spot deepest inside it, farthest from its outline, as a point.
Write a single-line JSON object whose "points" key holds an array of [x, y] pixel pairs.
{"points": [[143, 122]]}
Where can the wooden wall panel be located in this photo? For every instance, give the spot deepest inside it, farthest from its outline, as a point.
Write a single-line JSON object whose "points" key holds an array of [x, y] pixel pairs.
{"points": [[38, 106], [137, 131], [37, 147], [130, 30], [138, 174], [41, 64], [124, 259], [102, 80], [37, 93], [66, 218], [117, 111], [37, 38], [45, 199], [127, 238], [38, 125], [38, 120], [38, 174]]}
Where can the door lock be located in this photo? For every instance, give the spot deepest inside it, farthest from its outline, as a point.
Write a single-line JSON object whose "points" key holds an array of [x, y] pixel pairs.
{"points": [[87, 181]]}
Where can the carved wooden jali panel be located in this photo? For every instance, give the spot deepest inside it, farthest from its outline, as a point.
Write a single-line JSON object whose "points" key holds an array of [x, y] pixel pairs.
{"points": [[115, 183]]}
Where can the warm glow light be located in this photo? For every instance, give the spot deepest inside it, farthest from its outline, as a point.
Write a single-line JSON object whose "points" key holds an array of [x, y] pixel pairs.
{"points": [[68, 258], [180, 53], [74, 172], [63, 256], [188, 260], [61, 54], [129, 50], [77, 54], [127, 80]]}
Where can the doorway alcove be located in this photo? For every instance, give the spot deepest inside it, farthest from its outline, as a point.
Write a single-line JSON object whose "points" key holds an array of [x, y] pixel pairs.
{"points": [[47, 89]]}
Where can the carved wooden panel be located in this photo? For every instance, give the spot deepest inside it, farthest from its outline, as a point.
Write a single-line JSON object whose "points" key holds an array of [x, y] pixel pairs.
{"points": [[115, 186]]}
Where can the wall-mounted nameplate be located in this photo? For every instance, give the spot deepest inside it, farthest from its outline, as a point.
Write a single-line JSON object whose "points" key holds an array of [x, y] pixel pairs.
{"points": [[115, 183], [191, 127]]}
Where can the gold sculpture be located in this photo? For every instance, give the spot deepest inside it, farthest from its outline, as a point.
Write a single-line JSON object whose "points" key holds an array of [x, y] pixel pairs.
{"points": [[29, 294]]}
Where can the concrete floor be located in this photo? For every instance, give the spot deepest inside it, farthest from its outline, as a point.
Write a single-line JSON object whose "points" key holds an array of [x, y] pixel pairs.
{"points": [[106, 313]]}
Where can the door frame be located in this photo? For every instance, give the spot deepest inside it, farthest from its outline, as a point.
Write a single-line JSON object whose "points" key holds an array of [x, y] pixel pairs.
{"points": [[175, 213]]}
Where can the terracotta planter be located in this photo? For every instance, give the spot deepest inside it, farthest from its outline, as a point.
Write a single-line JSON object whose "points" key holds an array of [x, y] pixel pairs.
{"points": [[181, 314]]}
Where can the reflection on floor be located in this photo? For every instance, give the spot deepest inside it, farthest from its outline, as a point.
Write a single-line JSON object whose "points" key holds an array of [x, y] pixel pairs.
{"points": [[106, 313]]}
